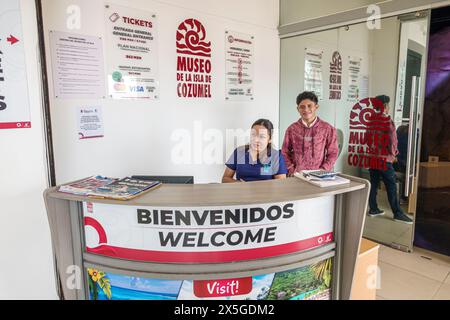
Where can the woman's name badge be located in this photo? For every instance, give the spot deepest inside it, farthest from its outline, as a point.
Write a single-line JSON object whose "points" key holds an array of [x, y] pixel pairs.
{"points": [[266, 169]]}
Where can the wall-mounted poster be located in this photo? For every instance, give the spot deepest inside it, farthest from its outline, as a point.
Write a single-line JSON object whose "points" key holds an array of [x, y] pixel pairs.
{"points": [[90, 122], [400, 97], [311, 282], [313, 71], [336, 76], [77, 65], [193, 60], [132, 43], [354, 70], [239, 51], [364, 87], [14, 104]]}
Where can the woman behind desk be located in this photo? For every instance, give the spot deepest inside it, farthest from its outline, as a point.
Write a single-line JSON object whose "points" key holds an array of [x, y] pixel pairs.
{"points": [[257, 160]]}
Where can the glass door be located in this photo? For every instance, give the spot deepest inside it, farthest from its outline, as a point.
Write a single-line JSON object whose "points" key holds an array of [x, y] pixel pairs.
{"points": [[432, 229], [376, 112]]}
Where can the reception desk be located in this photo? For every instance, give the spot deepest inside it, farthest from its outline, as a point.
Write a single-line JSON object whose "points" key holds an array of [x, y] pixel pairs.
{"points": [[278, 239]]}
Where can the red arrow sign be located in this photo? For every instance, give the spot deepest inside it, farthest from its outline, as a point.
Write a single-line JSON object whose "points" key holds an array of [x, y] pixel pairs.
{"points": [[12, 39]]}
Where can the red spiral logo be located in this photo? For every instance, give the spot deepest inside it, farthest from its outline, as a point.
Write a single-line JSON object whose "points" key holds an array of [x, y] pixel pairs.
{"points": [[368, 114], [191, 35], [336, 63]]}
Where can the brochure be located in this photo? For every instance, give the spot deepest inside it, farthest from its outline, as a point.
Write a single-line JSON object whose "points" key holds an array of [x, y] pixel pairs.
{"points": [[124, 189], [85, 186]]}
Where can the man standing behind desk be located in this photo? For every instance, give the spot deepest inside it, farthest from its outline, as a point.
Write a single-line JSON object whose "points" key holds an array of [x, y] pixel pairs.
{"points": [[309, 143], [388, 175]]}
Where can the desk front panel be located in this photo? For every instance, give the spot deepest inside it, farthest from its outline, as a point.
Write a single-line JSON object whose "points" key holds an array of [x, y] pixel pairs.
{"points": [[218, 234]]}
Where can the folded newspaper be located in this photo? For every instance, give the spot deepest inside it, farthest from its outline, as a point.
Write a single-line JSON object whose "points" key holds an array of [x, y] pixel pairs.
{"points": [[109, 188]]}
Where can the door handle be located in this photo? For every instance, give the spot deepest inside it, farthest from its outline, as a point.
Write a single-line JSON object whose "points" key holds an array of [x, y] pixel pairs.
{"points": [[411, 139], [416, 133]]}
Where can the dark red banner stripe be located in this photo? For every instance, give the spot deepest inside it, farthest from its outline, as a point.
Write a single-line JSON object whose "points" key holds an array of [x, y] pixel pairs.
{"points": [[211, 256], [15, 125]]}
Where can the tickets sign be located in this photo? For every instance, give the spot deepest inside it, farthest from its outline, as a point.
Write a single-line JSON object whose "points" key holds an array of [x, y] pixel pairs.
{"points": [[208, 234], [132, 41]]}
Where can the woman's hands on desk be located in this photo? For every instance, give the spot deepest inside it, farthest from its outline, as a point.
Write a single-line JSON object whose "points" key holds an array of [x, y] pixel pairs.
{"points": [[228, 176]]}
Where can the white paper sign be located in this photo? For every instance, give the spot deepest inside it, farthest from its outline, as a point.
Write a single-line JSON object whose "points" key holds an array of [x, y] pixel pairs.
{"points": [[77, 63], [14, 104], [313, 71], [354, 82], [364, 88], [208, 234], [90, 122], [239, 51], [132, 53]]}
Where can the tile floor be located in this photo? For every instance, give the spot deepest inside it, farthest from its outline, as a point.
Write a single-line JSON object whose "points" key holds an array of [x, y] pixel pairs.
{"points": [[384, 229], [412, 276]]}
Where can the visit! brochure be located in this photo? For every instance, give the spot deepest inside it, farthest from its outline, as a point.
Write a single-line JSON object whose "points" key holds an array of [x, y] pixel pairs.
{"points": [[109, 188]]}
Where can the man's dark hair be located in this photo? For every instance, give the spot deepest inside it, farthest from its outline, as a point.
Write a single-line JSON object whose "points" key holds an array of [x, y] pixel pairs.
{"points": [[384, 98], [307, 95]]}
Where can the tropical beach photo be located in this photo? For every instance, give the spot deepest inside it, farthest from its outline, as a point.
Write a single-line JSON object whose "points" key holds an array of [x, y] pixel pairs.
{"points": [[311, 282], [109, 286]]}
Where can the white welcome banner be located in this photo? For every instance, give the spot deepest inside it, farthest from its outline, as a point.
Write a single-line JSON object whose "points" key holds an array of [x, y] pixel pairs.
{"points": [[208, 234]]}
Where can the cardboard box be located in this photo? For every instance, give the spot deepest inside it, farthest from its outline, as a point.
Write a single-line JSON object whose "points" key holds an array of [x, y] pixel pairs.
{"points": [[366, 272], [434, 174]]}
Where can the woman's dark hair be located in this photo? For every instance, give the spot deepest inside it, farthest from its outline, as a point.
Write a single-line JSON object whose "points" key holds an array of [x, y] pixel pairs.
{"points": [[266, 124], [384, 98], [307, 95], [269, 126]]}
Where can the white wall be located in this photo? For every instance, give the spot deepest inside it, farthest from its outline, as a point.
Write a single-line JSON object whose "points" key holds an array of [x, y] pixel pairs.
{"points": [[138, 133], [26, 265]]}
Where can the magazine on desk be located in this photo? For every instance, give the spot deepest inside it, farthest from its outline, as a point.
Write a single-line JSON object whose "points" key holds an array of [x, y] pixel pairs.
{"points": [[124, 189], [85, 186], [321, 182], [109, 188]]}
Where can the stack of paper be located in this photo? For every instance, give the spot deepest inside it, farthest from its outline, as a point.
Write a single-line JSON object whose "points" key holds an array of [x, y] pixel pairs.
{"points": [[86, 186], [109, 188], [324, 182], [124, 189]]}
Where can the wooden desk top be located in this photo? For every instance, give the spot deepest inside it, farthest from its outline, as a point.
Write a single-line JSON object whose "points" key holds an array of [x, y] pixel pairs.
{"points": [[181, 195]]}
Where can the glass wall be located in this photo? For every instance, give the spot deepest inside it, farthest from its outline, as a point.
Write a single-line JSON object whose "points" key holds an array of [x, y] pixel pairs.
{"points": [[343, 66]]}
